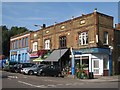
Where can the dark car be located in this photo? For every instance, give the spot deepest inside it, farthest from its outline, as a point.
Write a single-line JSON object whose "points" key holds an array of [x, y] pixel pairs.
{"points": [[9, 66], [49, 70], [18, 67]]}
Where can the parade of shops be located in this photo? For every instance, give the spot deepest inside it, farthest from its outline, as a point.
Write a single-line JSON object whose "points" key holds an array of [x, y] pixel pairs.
{"points": [[89, 40]]}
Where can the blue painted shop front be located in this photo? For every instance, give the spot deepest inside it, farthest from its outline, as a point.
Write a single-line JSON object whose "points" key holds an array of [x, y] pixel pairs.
{"points": [[97, 59], [20, 55]]}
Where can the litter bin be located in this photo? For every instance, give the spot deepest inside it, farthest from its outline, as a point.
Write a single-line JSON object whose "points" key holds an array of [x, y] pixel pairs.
{"points": [[91, 76]]}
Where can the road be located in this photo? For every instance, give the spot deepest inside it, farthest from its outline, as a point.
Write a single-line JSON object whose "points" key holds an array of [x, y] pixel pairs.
{"points": [[16, 80]]}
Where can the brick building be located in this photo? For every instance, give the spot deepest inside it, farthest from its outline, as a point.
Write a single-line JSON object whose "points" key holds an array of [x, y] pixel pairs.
{"points": [[91, 37]]}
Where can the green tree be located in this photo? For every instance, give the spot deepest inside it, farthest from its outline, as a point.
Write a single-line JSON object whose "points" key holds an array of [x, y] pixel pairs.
{"points": [[7, 34]]}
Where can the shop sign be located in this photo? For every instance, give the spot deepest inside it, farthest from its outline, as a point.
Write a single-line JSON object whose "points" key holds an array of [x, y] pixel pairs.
{"points": [[34, 55], [13, 53]]}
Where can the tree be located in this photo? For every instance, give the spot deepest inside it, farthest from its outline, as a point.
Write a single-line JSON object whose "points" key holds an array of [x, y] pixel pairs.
{"points": [[7, 34]]}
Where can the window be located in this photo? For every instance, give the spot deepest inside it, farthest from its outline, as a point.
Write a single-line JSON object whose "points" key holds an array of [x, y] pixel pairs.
{"points": [[26, 41], [106, 38], [62, 42], [47, 44], [16, 44], [96, 64], [23, 42], [105, 63], [35, 46], [83, 38]]}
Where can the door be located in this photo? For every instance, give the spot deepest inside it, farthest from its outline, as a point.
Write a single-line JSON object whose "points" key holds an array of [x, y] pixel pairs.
{"points": [[96, 66]]}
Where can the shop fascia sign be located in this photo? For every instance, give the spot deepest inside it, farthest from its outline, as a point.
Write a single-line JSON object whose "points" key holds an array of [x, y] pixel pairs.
{"points": [[34, 55]]}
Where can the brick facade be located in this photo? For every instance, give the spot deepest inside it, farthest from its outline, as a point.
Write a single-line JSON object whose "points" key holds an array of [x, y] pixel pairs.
{"points": [[95, 24]]}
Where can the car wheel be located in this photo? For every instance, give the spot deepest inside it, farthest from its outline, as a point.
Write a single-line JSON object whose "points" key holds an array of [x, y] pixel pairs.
{"points": [[43, 74], [30, 72], [16, 71], [59, 75], [38, 74]]}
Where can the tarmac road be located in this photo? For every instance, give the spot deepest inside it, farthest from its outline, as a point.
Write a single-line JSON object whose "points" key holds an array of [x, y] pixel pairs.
{"points": [[16, 80]]}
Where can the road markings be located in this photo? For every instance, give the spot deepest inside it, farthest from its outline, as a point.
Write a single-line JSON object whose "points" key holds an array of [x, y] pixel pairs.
{"points": [[51, 85], [40, 86], [59, 84], [12, 77]]}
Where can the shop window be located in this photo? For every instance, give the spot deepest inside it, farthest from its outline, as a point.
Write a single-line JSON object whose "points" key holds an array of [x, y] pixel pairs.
{"points": [[47, 44], [83, 38], [96, 64], [106, 38], [85, 62], [105, 63], [62, 42], [35, 44]]}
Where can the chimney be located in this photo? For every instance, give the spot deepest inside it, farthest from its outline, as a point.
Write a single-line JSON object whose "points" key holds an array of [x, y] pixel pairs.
{"points": [[44, 26], [95, 10]]}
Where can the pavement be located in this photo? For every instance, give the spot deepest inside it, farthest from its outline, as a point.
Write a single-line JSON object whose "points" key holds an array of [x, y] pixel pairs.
{"points": [[115, 78]]}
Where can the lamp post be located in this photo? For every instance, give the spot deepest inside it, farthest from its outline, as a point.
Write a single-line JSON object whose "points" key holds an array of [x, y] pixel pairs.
{"points": [[110, 60], [71, 49], [42, 32]]}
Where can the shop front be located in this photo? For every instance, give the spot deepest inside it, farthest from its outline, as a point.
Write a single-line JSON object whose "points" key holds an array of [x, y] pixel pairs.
{"points": [[94, 61], [20, 55]]}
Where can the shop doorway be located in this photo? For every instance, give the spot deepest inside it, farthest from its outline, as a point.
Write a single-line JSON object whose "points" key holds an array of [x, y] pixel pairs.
{"points": [[96, 66]]}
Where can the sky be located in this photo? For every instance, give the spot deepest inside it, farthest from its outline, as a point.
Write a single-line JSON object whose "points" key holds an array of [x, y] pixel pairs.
{"points": [[28, 14]]}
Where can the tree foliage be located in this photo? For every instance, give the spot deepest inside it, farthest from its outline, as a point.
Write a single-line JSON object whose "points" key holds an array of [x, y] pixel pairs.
{"points": [[6, 34]]}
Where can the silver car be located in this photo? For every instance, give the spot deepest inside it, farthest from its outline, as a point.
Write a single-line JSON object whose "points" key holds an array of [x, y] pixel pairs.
{"points": [[31, 70]]}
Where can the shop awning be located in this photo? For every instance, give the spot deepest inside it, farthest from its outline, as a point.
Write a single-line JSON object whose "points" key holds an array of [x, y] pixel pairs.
{"points": [[56, 55], [38, 60]]}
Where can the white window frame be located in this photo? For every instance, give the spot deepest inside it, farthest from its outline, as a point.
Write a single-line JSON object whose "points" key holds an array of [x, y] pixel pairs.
{"points": [[35, 44], [47, 44], [83, 38]]}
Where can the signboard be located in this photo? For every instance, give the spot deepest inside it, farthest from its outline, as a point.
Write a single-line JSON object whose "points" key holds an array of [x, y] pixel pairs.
{"points": [[13, 53], [34, 55]]}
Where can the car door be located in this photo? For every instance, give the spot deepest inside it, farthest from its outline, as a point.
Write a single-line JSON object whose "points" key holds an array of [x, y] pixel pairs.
{"points": [[48, 70]]}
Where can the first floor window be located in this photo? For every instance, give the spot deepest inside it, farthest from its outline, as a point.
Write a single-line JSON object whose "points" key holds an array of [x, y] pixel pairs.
{"points": [[83, 38], [62, 42], [35, 44], [47, 44], [106, 38]]}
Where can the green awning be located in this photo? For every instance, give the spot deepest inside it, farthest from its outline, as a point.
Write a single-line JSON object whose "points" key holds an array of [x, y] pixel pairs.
{"points": [[38, 60]]}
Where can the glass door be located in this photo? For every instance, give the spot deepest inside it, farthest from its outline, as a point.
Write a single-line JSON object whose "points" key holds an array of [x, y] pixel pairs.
{"points": [[96, 67]]}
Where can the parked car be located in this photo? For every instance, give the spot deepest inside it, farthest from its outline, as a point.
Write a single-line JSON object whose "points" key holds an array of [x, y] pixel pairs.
{"points": [[49, 70], [17, 67], [9, 66], [31, 70]]}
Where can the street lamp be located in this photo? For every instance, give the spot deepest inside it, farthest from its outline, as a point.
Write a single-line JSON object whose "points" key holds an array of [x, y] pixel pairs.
{"points": [[41, 27], [110, 60]]}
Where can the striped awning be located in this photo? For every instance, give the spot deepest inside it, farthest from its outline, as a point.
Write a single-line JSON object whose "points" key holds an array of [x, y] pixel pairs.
{"points": [[38, 60]]}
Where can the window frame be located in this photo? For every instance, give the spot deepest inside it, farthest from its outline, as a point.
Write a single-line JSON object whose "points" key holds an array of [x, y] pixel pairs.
{"points": [[105, 39], [47, 44], [62, 42], [83, 38], [35, 46]]}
